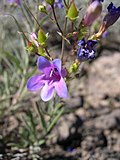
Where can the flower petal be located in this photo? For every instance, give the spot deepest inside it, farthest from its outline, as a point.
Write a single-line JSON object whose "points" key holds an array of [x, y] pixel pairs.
{"points": [[61, 88], [47, 92], [44, 65], [57, 64], [35, 82]]}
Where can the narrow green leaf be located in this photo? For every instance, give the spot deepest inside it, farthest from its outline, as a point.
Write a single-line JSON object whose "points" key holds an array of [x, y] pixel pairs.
{"points": [[55, 120], [41, 117], [13, 59]]}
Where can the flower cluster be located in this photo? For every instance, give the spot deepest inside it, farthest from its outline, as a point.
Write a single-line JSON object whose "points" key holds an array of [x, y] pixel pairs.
{"points": [[51, 78], [87, 50]]}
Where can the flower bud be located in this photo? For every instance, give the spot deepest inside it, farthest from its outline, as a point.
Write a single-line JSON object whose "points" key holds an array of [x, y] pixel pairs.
{"points": [[74, 67], [72, 13], [93, 12], [31, 47], [50, 2], [42, 37], [41, 51], [42, 9], [112, 16]]}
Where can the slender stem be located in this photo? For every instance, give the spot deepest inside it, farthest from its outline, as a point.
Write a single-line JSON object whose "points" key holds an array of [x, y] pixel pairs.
{"points": [[65, 4], [47, 52], [37, 10], [63, 41], [62, 51], [32, 15], [72, 26], [53, 10]]}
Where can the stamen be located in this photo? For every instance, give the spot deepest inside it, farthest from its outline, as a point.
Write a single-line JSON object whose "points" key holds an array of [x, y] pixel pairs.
{"points": [[51, 73]]}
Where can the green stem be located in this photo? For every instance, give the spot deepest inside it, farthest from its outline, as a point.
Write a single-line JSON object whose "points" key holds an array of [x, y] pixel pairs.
{"points": [[65, 4], [72, 26], [53, 10], [47, 52], [32, 15]]}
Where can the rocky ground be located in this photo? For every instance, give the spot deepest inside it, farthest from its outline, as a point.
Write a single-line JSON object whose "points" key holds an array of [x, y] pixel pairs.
{"points": [[92, 130]]}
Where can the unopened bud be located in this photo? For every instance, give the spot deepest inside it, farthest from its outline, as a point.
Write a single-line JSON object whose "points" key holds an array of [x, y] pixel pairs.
{"points": [[42, 37], [74, 67], [42, 9], [72, 13], [93, 12]]}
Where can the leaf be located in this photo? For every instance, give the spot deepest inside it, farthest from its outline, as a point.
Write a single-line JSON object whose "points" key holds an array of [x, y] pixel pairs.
{"points": [[13, 59], [55, 120], [41, 117]]}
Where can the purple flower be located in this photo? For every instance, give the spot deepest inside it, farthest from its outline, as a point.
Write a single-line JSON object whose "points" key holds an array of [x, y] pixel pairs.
{"points": [[49, 80], [86, 50], [112, 16], [58, 4], [18, 2], [93, 12]]}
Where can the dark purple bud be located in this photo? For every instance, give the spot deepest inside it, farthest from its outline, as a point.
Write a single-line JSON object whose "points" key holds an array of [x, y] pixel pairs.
{"points": [[112, 16]]}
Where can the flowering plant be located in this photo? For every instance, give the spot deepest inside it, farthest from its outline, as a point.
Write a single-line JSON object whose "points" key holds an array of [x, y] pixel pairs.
{"points": [[52, 80], [53, 75]]}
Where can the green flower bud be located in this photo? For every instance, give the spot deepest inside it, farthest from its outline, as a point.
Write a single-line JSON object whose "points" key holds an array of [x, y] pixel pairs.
{"points": [[41, 51], [50, 2], [72, 13], [42, 37], [74, 67], [42, 9], [31, 47]]}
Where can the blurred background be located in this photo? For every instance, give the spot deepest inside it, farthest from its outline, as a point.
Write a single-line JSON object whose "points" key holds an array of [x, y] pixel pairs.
{"points": [[89, 129]]}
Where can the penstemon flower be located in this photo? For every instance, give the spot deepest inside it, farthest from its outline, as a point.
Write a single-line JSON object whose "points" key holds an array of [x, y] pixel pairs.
{"points": [[86, 50], [50, 80]]}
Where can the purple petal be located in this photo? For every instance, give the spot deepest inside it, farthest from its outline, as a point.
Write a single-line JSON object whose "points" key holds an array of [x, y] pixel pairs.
{"points": [[57, 64], [44, 65], [47, 92], [35, 82], [61, 88]]}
